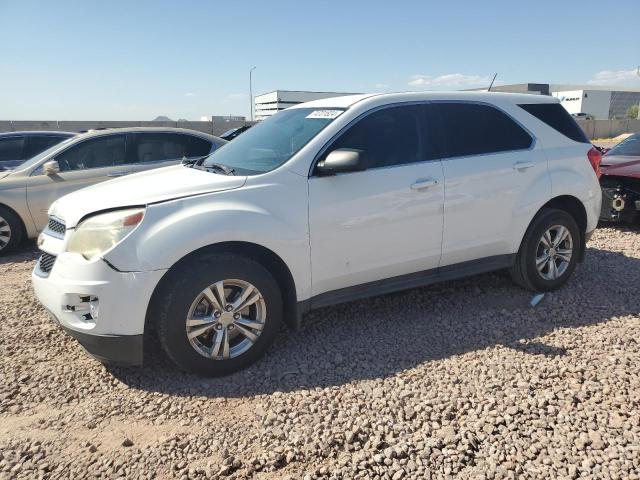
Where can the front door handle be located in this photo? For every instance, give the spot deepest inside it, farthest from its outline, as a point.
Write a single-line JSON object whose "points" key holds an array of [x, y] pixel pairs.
{"points": [[424, 183], [117, 174], [523, 165]]}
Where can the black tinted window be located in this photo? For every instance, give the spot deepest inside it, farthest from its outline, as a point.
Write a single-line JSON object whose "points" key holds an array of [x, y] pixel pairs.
{"points": [[554, 115], [197, 147], [474, 129], [630, 146], [11, 148], [389, 137], [96, 153], [154, 147], [40, 143]]}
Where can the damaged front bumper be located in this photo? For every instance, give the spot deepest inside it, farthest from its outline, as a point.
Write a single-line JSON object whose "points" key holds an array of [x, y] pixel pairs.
{"points": [[620, 202]]}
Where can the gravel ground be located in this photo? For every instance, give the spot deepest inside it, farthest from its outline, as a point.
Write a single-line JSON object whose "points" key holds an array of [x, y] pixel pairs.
{"points": [[461, 380]]}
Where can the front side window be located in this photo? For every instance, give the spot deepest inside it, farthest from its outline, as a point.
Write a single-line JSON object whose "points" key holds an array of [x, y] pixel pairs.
{"points": [[101, 152], [475, 129], [273, 141], [11, 148], [390, 136]]}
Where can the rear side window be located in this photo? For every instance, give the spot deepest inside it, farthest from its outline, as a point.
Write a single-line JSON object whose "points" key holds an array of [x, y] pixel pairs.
{"points": [[474, 129], [40, 143], [11, 148], [389, 137], [555, 115]]}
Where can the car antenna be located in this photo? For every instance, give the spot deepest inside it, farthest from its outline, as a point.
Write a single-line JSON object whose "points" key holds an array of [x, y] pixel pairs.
{"points": [[492, 80]]}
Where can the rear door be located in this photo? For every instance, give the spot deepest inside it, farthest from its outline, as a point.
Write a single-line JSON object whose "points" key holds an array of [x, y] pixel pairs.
{"points": [[494, 175], [161, 149], [82, 164]]}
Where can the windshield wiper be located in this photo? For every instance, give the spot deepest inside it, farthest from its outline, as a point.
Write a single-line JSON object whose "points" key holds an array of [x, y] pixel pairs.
{"points": [[219, 167], [190, 162]]}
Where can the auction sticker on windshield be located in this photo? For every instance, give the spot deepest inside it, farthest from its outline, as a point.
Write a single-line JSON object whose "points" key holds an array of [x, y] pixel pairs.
{"points": [[324, 114]]}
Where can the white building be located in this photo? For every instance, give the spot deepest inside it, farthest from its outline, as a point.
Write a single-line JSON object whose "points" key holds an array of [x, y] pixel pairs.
{"points": [[600, 103], [269, 103]]}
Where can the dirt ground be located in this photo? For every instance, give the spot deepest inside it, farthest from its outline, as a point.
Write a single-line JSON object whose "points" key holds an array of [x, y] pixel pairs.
{"points": [[458, 380]]}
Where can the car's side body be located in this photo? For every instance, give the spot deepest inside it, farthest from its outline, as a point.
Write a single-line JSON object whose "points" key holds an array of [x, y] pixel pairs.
{"points": [[28, 191], [16, 147], [337, 237]]}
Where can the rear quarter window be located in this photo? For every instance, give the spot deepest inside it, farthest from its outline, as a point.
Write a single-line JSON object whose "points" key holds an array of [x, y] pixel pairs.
{"points": [[555, 115]]}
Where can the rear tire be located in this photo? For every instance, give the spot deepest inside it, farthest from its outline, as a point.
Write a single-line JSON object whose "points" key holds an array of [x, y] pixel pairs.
{"points": [[203, 323], [10, 230], [548, 253]]}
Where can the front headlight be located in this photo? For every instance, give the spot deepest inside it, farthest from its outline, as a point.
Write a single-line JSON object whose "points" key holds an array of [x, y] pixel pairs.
{"points": [[99, 233]]}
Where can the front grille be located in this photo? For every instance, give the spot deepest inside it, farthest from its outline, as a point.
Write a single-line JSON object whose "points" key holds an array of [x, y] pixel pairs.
{"points": [[46, 262], [56, 226]]}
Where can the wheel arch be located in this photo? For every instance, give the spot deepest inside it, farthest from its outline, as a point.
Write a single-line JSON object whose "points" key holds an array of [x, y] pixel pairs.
{"points": [[574, 207], [25, 233], [266, 257]]}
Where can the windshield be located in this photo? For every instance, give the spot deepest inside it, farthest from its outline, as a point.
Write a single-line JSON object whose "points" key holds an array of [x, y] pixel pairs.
{"points": [[273, 141], [629, 146], [34, 160]]}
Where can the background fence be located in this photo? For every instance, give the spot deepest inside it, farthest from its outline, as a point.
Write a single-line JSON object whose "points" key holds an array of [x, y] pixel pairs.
{"points": [[593, 128], [608, 128]]}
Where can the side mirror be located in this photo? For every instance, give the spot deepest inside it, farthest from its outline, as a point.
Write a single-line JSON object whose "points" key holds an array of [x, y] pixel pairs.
{"points": [[342, 160], [51, 167]]}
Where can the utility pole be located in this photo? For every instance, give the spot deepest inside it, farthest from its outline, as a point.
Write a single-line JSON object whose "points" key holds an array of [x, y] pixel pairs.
{"points": [[638, 74], [251, 92]]}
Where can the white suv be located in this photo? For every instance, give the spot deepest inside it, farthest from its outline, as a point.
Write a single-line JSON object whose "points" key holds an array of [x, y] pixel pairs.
{"points": [[323, 203]]}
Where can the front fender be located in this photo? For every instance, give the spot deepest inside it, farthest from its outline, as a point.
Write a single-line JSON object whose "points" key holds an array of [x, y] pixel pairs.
{"points": [[258, 215]]}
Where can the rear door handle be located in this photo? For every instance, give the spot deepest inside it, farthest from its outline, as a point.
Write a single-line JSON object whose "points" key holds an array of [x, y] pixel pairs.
{"points": [[523, 165], [424, 183], [117, 174]]}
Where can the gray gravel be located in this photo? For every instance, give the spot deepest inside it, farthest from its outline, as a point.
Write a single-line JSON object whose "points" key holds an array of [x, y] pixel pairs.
{"points": [[460, 380]]}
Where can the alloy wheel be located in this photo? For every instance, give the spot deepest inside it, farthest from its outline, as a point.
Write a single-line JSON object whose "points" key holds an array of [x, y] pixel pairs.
{"points": [[5, 233], [226, 319], [554, 252]]}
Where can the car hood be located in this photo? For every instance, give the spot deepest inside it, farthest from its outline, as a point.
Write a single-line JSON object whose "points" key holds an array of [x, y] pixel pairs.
{"points": [[144, 188], [628, 169], [618, 159]]}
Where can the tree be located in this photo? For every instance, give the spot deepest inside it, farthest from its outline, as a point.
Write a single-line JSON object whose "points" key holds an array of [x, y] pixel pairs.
{"points": [[632, 111]]}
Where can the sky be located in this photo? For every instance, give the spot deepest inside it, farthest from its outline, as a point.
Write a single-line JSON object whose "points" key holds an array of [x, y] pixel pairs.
{"points": [[135, 60]]}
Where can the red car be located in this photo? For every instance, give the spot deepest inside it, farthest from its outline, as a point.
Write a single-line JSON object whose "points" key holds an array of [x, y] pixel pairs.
{"points": [[620, 181]]}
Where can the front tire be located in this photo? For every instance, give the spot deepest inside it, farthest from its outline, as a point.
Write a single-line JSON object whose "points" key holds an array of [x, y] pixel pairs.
{"points": [[10, 230], [548, 253], [217, 313]]}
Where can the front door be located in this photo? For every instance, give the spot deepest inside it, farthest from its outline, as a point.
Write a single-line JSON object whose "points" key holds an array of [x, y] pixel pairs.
{"points": [[385, 221], [86, 163]]}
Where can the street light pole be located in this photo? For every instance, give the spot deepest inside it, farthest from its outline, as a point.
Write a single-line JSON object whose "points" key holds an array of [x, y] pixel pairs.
{"points": [[251, 92]]}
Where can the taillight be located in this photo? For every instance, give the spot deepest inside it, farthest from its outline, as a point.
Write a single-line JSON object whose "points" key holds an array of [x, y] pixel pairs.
{"points": [[595, 158]]}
